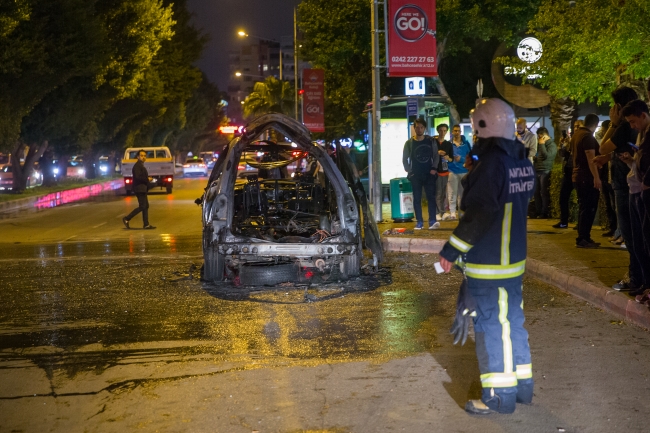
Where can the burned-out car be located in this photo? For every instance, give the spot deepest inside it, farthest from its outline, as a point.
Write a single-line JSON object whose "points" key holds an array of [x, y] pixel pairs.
{"points": [[284, 210]]}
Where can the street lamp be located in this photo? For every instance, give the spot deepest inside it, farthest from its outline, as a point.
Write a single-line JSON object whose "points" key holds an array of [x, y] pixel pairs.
{"points": [[239, 74], [243, 34]]}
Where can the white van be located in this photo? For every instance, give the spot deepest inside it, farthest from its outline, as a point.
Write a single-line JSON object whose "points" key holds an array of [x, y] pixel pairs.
{"points": [[159, 164]]}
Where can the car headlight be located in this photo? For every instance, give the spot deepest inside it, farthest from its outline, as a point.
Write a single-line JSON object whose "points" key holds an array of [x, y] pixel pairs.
{"points": [[80, 171], [103, 168], [55, 170]]}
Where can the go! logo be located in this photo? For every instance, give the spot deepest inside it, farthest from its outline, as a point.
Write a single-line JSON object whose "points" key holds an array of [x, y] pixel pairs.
{"points": [[411, 23]]}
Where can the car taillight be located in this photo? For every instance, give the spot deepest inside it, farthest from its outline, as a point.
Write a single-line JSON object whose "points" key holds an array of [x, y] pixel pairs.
{"points": [[169, 179], [127, 180]]}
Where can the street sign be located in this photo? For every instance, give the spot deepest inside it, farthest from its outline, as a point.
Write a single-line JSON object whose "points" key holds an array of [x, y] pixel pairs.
{"points": [[313, 113], [411, 107], [412, 48]]}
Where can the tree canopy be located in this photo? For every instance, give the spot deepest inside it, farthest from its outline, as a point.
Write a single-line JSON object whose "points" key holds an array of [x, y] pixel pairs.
{"points": [[83, 75], [337, 38], [589, 50], [270, 96]]}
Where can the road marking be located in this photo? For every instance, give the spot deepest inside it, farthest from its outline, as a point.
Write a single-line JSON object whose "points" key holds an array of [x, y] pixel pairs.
{"points": [[99, 225]]}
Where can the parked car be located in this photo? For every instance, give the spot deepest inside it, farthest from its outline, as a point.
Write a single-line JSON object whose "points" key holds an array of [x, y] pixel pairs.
{"points": [[195, 167], [266, 227], [106, 167], [76, 167], [7, 178]]}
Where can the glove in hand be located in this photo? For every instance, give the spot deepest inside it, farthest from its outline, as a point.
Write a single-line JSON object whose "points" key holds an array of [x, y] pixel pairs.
{"points": [[465, 311]]}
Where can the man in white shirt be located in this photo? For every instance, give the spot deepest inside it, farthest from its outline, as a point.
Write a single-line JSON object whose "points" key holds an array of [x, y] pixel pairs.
{"points": [[526, 137]]}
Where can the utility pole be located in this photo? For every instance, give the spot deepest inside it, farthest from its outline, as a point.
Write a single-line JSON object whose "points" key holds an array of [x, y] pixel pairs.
{"points": [[375, 167], [295, 61]]}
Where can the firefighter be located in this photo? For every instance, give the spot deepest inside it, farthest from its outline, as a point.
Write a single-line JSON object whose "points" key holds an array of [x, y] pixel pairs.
{"points": [[489, 244]]}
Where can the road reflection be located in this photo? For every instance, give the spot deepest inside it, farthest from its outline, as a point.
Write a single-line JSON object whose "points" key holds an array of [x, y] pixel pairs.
{"points": [[76, 195]]}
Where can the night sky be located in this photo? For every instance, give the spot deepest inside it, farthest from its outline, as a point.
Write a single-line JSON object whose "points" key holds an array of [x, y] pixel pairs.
{"points": [[221, 19]]}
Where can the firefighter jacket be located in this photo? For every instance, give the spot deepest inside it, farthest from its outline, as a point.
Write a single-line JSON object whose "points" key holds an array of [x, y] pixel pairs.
{"points": [[491, 236]]}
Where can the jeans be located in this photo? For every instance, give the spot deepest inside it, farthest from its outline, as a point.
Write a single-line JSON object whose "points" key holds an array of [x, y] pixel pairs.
{"points": [[543, 193], [587, 207], [622, 199], [454, 191], [143, 206], [645, 198], [639, 258], [565, 196], [441, 193], [429, 185], [610, 205]]}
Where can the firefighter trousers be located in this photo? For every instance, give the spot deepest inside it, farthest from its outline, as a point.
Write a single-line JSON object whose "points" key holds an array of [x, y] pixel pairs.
{"points": [[502, 343]]}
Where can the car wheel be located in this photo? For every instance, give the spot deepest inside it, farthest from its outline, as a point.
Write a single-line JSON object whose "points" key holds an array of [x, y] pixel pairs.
{"points": [[214, 263], [268, 275], [169, 190], [352, 263]]}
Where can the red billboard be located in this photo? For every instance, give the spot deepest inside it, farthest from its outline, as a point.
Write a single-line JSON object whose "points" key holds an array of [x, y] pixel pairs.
{"points": [[313, 99], [412, 38]]}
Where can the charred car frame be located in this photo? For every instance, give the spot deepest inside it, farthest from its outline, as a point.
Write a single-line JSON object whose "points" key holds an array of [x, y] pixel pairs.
{"points": [[264, 226]]}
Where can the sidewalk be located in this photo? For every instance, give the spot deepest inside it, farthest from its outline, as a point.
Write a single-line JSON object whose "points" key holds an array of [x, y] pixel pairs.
{"points": [[552, 257]]}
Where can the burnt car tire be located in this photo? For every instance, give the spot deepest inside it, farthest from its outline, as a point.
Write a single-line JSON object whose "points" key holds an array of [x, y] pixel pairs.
{"points": [[268, 275], [352, 264], [214, 265]]}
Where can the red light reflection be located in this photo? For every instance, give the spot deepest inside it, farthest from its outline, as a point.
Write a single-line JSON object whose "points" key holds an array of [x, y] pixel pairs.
{"points": [[73, 195]]}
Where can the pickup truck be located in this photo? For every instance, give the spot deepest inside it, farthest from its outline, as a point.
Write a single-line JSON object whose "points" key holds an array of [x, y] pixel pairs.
{"points": [[159, 164]]}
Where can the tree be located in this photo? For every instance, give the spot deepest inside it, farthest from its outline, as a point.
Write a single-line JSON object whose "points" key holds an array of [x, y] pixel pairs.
{"points": [[56, 51], [337, 38], [270, 96], [590, 50]]}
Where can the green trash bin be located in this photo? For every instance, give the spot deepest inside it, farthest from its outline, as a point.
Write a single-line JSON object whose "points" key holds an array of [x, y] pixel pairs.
{"points": [[401, 200]]}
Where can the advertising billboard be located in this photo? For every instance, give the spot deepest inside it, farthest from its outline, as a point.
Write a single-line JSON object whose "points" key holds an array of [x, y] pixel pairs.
{"points": [[313, 99], [412, 38]]}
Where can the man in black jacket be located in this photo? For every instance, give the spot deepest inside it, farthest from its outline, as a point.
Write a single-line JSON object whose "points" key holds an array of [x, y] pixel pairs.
{"points": [[420, 160], [140, 187]]}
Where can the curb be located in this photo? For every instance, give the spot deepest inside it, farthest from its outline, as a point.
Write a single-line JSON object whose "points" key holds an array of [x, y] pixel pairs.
{"points": [[599, 296], [60, 197]]}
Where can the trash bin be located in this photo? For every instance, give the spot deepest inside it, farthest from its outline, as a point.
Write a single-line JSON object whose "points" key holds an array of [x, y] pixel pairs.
{"points": [[401, 200]]}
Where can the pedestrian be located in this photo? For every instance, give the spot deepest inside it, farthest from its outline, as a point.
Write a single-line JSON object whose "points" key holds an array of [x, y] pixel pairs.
{"points": [[527, 138], [546, 151], [567, 183], [140, 187], [420, 160], [636, 113], [446, 152], [615, 142], [457, 170], [607, 190], [586, 179], [490, 242]]}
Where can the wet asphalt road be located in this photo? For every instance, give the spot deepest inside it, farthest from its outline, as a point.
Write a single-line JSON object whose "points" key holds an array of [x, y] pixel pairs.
{"points": [[102, 329]]}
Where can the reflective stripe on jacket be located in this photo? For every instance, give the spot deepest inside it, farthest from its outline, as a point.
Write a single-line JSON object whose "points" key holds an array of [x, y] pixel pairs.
{"points": [[491, 235]]}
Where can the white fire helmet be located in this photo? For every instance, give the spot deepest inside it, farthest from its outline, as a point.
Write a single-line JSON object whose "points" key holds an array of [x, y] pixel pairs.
{"points": [[493, 118]]}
